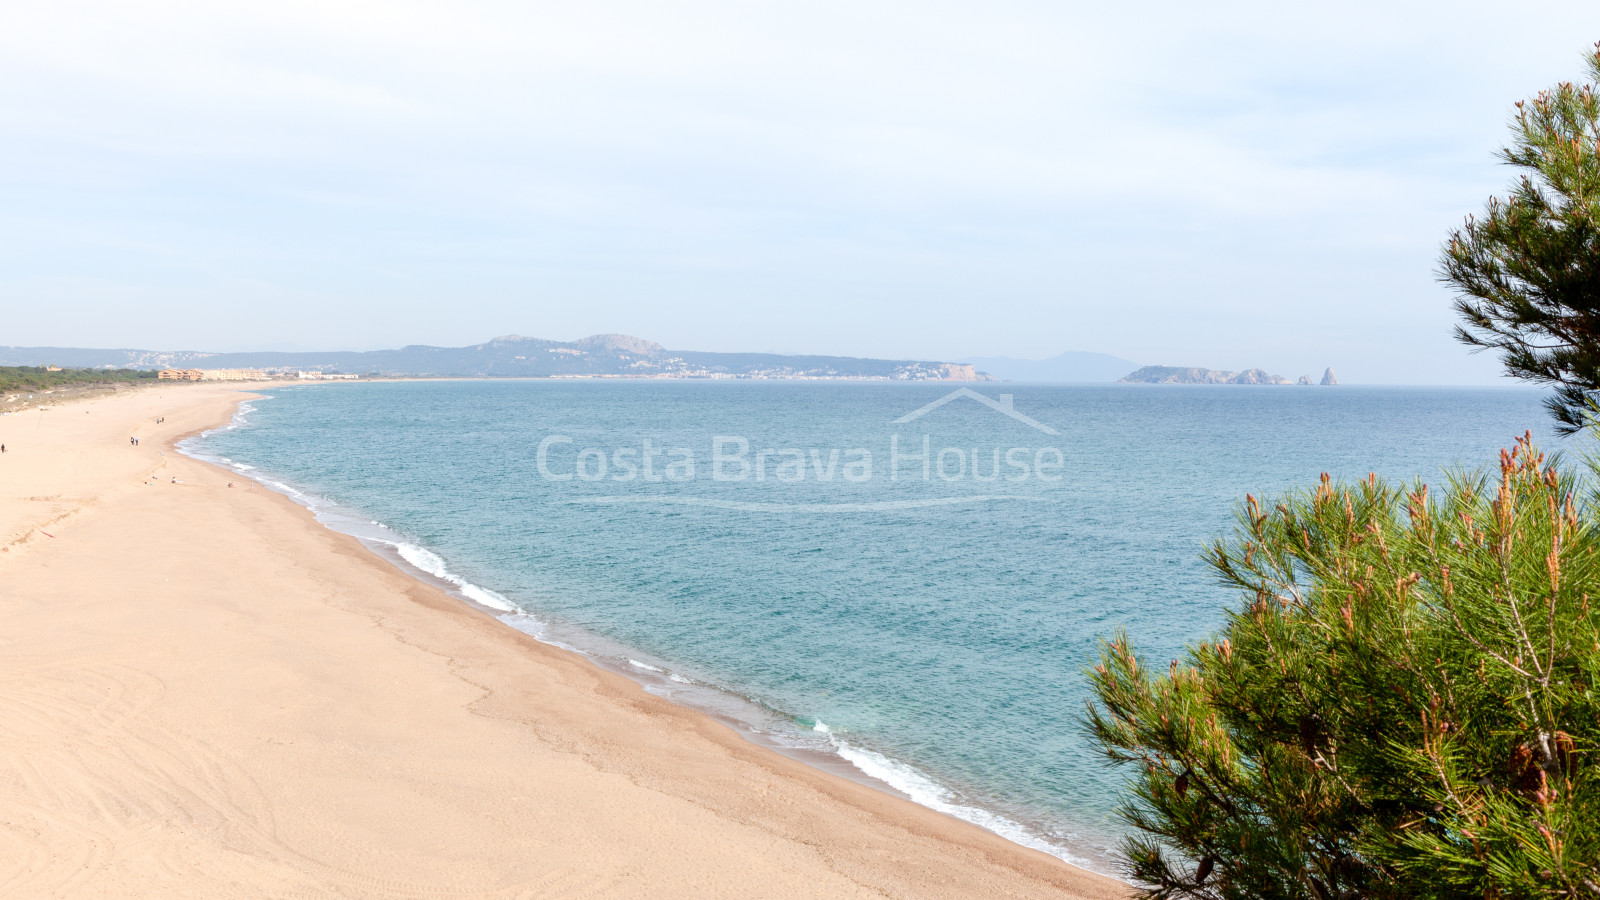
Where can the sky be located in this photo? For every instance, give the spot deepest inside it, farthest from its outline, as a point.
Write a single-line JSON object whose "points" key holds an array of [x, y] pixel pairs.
{"points": [[1227, 185]]}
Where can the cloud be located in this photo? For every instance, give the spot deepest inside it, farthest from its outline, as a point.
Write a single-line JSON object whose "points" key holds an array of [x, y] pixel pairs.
{"points": [[1233, 184]]}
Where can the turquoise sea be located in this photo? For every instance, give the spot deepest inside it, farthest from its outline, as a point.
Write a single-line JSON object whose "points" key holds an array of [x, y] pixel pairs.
{"points": [[903, 590]]}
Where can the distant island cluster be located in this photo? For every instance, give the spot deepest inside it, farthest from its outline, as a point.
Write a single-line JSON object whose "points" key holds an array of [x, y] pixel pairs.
{"points": [[1182, 375]]}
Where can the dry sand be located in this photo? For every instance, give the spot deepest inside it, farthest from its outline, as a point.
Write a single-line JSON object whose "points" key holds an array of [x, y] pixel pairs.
{"points": [[205, 693]]}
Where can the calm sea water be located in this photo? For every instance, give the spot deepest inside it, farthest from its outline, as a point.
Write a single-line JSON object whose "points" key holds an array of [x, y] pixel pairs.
{"points": [[916, 597]]}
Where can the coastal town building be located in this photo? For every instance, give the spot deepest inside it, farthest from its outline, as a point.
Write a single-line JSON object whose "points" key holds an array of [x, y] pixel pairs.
{"points": [[212, 375]]}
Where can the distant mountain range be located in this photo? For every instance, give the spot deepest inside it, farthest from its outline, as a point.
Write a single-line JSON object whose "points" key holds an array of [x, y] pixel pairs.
{"points": [[602, 355], [1074, 365]]}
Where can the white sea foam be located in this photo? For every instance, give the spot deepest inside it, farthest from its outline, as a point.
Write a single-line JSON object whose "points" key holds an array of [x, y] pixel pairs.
{"points": [[331, 514], [539, 630], [485, 597], [422, 558], [433, 564], [526, 624], [241, 416], [924, 790], [645, 666]]}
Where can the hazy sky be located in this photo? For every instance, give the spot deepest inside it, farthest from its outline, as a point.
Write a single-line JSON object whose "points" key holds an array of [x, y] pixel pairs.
{"points": [[1220, 184]]}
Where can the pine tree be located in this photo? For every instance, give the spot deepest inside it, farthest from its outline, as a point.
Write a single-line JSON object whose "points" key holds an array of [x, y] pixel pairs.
{"points": [[1527, 272], [1406, 704]]}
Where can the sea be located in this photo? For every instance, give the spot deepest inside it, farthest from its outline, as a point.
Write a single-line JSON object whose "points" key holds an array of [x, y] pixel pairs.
{"points": [[903, 583]]}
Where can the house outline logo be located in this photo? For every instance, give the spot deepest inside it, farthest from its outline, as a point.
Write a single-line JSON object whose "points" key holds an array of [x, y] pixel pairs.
{"points": [[1000, 404]]}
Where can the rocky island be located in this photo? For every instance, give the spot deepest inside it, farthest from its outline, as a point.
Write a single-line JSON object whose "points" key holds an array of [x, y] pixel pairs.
{"points": [[1182, 375]]}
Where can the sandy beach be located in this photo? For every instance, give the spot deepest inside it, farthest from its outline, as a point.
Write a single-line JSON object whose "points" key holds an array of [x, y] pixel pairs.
{"points": [[206, 693]]}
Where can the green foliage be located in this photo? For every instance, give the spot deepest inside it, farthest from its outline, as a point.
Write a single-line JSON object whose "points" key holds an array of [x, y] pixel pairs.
{"points": [[1404, 707], [37, 378], [1528, 271]]}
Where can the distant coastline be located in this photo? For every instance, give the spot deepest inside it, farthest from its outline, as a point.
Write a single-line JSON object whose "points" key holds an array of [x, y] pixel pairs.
{"points": [[597, 356]]}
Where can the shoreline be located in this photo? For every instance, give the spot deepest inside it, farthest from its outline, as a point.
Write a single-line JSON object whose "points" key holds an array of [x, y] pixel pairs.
{"points": [[753, 721], [284, 707]]}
